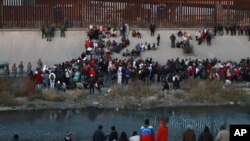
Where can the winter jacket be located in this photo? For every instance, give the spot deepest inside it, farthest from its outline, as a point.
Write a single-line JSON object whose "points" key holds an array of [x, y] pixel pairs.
{"points": [[99, 136], [162, 134], [206, 136], [222, 135], [189, 135], [147, 133]]}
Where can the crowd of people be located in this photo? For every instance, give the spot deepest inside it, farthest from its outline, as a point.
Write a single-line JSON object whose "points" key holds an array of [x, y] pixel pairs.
{"points": [[232, 29], [98, 72], [96, 68], [147, 133], [204, 35], [48, 32]]}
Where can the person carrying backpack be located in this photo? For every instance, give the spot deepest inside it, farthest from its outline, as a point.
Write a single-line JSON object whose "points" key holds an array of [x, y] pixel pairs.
{"points": [[52, 78]]}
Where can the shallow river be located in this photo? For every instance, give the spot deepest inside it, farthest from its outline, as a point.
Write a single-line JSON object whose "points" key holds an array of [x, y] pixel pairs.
{"points": [[52, 125]]}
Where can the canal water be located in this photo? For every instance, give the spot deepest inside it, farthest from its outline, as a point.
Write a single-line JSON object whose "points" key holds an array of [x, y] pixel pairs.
{"points": [[52, 125]]}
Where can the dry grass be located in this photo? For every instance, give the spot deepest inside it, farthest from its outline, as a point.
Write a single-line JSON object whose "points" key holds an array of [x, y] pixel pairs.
{"points": [[47, 95], [19, 87], [214, 91], [134, 89], [12, 88], [8, 100], [75, 95], [179, 95]]}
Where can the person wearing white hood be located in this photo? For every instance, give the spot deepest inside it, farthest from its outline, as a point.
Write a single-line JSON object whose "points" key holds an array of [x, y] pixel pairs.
{"points": [[119, 75], [52, 78]]}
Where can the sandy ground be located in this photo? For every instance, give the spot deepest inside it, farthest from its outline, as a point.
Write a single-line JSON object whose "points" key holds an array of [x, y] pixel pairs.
{"points": [[27, 46]]}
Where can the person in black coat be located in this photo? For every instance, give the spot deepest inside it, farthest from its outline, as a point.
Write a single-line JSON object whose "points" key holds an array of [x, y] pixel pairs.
{"points": [[206, 135], [158, 40], [172, 38], [91, 84], [113, 135], [99, 134], [152, 29]]}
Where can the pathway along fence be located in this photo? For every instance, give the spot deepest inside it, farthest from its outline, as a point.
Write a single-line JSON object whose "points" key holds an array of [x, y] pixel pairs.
{"points": [[138, 13]]}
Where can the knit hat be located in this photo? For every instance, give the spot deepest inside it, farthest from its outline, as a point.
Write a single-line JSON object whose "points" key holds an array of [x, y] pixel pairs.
{"points": [[100, 126]]}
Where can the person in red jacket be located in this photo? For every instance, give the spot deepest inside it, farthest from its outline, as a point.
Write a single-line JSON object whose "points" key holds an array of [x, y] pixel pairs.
{"points": [[162, 133], [38, 80], [92, 72]]}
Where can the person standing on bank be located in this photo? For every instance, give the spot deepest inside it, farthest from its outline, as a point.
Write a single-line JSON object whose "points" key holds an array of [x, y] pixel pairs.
{"points": [[172, 38], [152, 29], [14, 69], [165, 88], [158, 39], [20, 67]]}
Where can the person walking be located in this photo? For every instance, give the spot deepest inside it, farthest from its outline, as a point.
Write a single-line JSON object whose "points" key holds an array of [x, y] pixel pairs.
{"points": [[147, 132], [162, 133], [206, 135]]}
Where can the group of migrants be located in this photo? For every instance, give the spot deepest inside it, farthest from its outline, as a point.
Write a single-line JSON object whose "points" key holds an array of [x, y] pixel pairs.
{"points": [[232, 29], [96, 73], [96, 68], [147, 133], [204, 35], [184, 42], [48, 32]]}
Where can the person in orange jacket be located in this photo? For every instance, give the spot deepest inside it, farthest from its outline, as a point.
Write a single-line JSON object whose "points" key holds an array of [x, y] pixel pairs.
{"points": [[162, 133]]}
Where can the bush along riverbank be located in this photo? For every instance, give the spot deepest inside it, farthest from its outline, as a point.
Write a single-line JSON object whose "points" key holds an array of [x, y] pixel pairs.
{"points": [[20, 94]]}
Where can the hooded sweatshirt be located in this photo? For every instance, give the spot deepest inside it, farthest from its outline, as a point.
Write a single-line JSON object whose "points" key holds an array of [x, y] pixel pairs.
{"points": [[162, 134]]}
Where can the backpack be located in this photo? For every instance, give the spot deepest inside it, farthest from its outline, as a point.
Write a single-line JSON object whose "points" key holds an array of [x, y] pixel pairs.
{"points": [[52, 77]]}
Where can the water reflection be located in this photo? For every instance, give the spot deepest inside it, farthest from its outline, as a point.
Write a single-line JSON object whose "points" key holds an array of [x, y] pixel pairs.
{"points": [[53, 124]]}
